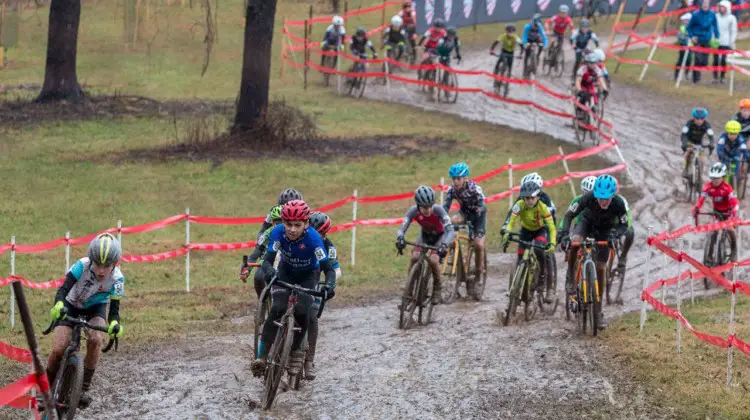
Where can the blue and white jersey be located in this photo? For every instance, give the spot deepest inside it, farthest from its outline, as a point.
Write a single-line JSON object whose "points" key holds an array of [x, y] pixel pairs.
{"points": [[89, 291], [306, 253]]}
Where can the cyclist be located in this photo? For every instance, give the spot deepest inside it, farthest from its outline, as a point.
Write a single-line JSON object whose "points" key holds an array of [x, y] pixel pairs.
{"points": [[743, 117], [557, 25], [446, 45], [587, 185], [602, 57], [533, 33], [395, 37], [433, 37], [259, 251], [472, 209], [437, 230], [604, 216], [90, 284], [722, 195], [286, 196], [409, 19], [303, 257], [692, 134], [359, 44], [537, 225], [322, 223], [683, 40], [508, 40], [580, 41], [334, 37], [588, 78], [543, 197], [732, 147]]}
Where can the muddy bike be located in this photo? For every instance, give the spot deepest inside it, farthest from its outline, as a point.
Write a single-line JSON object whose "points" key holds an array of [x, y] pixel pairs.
{"points": [[525, 283], [554, 59], [459, 268], [502, 69], [694, 180], [720, 247], [449, 80], [580, 304], [388, 53], [67, 386], [429, 75], [582, 121], [330, 59], [738, 178], [262, 308], [615, 278], [357, 84], [530, 61], [418, 292], [411, 45], [279, 355]]}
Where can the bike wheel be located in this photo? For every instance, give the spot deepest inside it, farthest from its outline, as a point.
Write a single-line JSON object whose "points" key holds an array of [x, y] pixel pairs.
{"points": [[592, 297], [727, 248], [547, 61], [551, 308], [534, 62], [743, 184], [498, 84], [425, 296], [68, 387], [579, 129], [262, 310], [449, 277], [560, 65], [278, 360], [529, 294], [326, 76], [452, 82], [514, 293], [708, 256], [409, 299], [480, 281]]}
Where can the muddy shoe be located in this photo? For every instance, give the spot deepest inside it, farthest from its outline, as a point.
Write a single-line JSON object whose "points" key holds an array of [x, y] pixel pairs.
{"points": [[310, 371], [550, 296], [295, 362], [85, 401], [437, 296], [258, 367], [601, 323]]}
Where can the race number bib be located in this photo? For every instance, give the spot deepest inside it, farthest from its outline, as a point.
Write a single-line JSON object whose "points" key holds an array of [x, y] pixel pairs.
{"points": [[320, 253]]}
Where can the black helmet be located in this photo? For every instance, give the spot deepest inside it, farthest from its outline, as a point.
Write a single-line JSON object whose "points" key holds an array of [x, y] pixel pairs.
{"points": [[424, 196], [510, 28], [288, 195], [439, 23], [320, 221], [530, 189], [361, 31], [451, 30]]}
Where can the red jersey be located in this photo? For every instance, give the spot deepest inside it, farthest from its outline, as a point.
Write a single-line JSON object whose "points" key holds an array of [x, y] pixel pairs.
{"points": [[560, 24], [408, 18], [434, 35], [589, 78], [722, 197]]}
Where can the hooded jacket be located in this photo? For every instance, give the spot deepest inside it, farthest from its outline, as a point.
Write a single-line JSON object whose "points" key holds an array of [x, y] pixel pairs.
{"points": [[703, 25], [727, 24]]}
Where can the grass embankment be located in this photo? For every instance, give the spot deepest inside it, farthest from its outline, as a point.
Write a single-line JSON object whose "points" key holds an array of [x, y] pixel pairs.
{"points": [[60, 176], [693, 381]]}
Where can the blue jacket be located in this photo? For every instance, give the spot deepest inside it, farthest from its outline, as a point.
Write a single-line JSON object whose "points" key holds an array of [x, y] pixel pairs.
{"points": [[704, 26], [527, 29], [732, 151]]}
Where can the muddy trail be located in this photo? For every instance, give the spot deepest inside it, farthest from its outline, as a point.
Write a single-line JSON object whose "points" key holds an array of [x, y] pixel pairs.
{"points": [[465, 365]]}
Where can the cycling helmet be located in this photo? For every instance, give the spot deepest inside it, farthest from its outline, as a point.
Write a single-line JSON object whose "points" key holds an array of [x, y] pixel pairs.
{"points": [[745, 104], [295, 210], [717, 170], [686, 17], [397, 21], [591, 58], [536, 18], [563, 8], [733, 127], [104, 250], [510, 28], [700, 113], [406, 4], [533, 177], [605, 187], [530, 189], [288, 195], [587, 185], [361, 31], [321, 222], [337, 20], [424, 196], [439, 23], [275, 213], [451, 30], [600, 54], [585, 23], [459, 169]]}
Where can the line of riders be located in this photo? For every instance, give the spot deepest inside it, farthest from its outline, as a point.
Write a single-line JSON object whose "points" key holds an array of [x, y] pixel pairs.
{"points": [[440, 42]]}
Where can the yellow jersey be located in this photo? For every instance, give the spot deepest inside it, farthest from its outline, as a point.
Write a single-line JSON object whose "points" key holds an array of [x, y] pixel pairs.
{"points": [[532, 218]]}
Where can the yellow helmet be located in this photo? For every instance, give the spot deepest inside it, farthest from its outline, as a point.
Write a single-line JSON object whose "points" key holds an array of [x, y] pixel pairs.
{"points": [[733, 127]]}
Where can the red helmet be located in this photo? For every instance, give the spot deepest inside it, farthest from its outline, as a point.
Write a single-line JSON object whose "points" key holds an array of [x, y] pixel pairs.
{"points": [[295, 210]]}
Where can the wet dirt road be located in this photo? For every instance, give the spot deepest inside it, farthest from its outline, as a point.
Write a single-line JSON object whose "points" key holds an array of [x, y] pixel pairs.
{"points": [[463, 366]]}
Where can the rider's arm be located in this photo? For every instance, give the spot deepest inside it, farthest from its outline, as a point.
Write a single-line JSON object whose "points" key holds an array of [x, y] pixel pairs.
{"points": [[547, 200], [116, 293], [421, 40], [330, 274], [448, 200], [573, 36], [576, 208], [701, 199], [595, 39], [73, 275], [684, 136], [494, 44], [515, 214], [458, 48], [114, 311], [372, 48], [550, 222], [266, 224], [544, 36], [526, 30], [507, 219], [333, 257], [720, 148], [448, 233], [410, 214], [602, 82], [562, 221]]}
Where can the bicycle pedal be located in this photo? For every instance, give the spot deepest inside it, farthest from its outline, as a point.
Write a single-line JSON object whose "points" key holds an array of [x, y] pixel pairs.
{"points": [[297, 329], [278, 324]]}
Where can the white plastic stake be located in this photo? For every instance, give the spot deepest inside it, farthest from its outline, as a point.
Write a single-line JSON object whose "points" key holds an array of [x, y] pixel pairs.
{"points": [[739, 238], [567, 172], [442, 198], [354, 228], [338, 72], [731, 326], [510, 182], [731, 82], [533, 99], [666, 261], [12, 273], [187, 256], [692, 282], [622, 158], [650, 56], [387, 79], [119, 231], [682, 67], [67, 252], [679, 300], [644, 282]]}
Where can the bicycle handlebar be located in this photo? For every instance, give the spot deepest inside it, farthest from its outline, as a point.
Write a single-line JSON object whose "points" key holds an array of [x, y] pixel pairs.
{"points": [[589, 242], [86, 324], [434, 248], [300, 289], [719, 215], [515, 237]]}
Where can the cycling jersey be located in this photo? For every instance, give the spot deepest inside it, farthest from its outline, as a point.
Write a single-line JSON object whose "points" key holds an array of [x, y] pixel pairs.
{"points": [[359, 46], [438, 224], [509, 42], [577, 219], [87, 291], [596, 218], [544, 198], [589, 77], [731, 151], [470, 197], [304, 254], [260, 246], [394, 36], [581, 40], [693, 133], [447, 45], [744, 122], [332, 38], [532, 218], [409, 19], [534, 34], [433, 36], [560, 24], [722, 197]]}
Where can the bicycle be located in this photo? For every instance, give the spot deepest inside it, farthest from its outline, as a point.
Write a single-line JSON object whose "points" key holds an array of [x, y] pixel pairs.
{"points": [[450, 81], [387, 67], [279, 355], [330, 60], [694, 180], [530, 61], [739, 185], [262, 309], [554, 59], [525, 285], [357, 84], [418, 291], [720, 248], [581, 303], [460, 270], [429, 75], [582, 119], [67, 386], [502, 69], [613, 274]]}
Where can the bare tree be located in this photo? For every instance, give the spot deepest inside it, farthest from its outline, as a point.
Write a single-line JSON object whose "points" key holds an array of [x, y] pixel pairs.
{"points": [[60, 79], [256, 64]]}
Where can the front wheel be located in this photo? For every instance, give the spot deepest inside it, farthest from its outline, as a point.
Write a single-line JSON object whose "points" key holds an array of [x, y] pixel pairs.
{"points": [[278, 361], [68, 387], [592, 297], [514, 292], [451, 81], [409, 299], [426, 289]]}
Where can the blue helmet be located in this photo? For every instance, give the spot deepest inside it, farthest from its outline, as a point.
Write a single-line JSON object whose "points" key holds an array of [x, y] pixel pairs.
{"points": [[459, 169], [700, 113], [605, 187]]}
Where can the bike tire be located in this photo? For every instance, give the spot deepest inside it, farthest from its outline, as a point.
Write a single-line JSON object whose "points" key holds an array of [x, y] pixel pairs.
{"points": [[409, 299], [528, 296], [579, 130], [453, 83], [547, 62], [68, 387], [591, 279], [497, 84], [551, 308], [534, 64], [426, 287], [727, 248], [479, 283], [514, 292], [708, 256], [278, 360], [560, 65], [262, 309], [449, 277]]}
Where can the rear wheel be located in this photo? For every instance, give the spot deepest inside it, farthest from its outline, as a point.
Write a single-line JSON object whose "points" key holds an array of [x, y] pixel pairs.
{"points": [[709, 256], [450, 277], [69, 387], [581, 131], [514, 293], [409, 299], [261, 313], [450, 80], [551, 308]]}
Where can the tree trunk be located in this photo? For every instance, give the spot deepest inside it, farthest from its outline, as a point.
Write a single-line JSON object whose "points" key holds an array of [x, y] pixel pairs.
{"points": [[60, 79], [335, 5], [256, 64]]}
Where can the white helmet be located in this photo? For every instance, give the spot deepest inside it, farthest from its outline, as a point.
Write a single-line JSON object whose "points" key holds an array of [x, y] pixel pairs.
{"points": [[686, 17], [397, 21], [717, 170], [337, 20], [600, 54], [587, 185], [564, 8], [533, 177]]}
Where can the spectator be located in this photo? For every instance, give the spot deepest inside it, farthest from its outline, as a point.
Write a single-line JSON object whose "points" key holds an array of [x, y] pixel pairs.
{"points": [[684, 41], [701, 29], [727, 37]]}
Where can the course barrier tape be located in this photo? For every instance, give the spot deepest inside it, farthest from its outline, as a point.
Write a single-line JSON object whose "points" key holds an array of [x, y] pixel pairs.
{"points": [[18, 389], [30, 284], [15, 353]]}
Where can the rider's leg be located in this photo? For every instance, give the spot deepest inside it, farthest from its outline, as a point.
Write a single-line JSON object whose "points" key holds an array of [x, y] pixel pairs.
{"points": [[479, 227], [60, 339], [686, 162], [572, 257], [626, 244], [302, 315], [437, 296], [312, 340], [259, 281], [323, 56], [401, 50], [93, 352]]}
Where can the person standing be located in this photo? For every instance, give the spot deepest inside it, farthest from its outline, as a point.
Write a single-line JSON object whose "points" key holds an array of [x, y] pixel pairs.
{"points": [[702, 28], [727, 24]]}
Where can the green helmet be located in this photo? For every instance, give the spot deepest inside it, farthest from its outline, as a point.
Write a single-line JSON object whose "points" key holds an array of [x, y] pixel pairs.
{"points": [[105, 250], [275, 213]]}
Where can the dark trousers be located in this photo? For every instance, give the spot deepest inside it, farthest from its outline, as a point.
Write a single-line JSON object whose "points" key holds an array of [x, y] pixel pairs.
{"points": [[720, 60], [701, 59], [688, 63]]}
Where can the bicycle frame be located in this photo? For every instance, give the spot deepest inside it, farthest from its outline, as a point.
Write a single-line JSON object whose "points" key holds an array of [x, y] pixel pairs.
{"points": [[586, 248]]}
